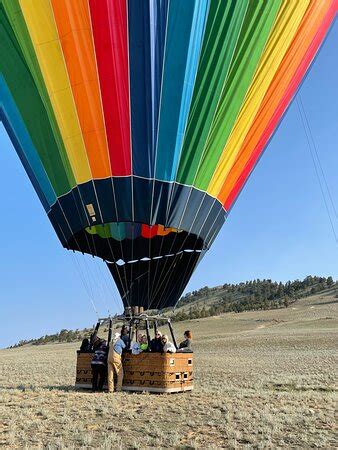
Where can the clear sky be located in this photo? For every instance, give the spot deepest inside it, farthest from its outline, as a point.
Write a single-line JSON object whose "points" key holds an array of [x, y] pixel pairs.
{"points": [[278, 229]]}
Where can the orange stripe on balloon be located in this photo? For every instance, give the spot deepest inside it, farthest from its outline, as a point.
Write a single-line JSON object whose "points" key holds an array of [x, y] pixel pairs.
{"points": [[280, 86], [163, 231], [73, 24], [299, 63]]}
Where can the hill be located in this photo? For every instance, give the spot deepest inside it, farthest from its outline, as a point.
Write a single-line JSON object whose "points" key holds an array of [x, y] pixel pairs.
{"points": [[208, 302], [251, 295], [263, 379]]}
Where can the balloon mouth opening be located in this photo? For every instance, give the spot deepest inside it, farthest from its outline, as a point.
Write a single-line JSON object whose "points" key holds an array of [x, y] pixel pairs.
{"points": [[145, 259], [150, 270], [154, 283]]}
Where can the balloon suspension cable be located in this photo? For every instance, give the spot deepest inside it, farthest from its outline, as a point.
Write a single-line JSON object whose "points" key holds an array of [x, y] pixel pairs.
{"points": [[90, 273], [82, 276], [127, 290], [95, 272], [85, 283], [164, 281], [190, 270], [103, 289], [194, 249], [86, 274], [318, 166], [204, 250], [155, 290], [124, 287], [110, 289]]}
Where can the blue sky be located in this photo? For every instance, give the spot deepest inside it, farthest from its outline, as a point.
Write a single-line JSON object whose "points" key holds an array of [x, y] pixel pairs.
{"points": [[278, 229]]}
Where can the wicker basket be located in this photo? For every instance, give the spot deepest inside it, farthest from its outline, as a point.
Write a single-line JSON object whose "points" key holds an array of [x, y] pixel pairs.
{"points": [[152, 372]]}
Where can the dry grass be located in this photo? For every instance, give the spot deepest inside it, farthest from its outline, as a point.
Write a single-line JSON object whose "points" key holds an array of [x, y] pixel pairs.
{"points": [[262, 380]]}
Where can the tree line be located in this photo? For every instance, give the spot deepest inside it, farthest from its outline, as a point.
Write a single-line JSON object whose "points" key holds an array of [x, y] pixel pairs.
{"points": [[248, 296], [63, 336]]}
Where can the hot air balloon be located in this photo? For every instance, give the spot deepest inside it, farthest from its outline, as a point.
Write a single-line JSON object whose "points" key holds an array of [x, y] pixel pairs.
{"points": [[139, 121]]}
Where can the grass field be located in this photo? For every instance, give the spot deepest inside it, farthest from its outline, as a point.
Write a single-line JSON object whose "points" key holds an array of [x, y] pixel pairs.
{"points": [[263, 379]]}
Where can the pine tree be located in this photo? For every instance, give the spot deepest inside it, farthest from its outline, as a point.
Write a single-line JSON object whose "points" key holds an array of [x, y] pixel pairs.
{"points": [[329, 281]]}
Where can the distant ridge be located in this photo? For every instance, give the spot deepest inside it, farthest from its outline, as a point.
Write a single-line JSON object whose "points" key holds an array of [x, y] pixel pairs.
{"points": [[205, 302]]}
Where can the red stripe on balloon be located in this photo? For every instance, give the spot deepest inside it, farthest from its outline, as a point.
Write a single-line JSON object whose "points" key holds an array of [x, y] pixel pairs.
{"points": [[149, 232], [284, 103], [110, 33]]}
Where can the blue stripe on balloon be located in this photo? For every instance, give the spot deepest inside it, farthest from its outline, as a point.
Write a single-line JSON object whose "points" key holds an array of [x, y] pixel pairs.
{"points": [[117, 231], [198, 27], [186, 26], [147, 24], [158, 22], [24, 146], [140, 86]]}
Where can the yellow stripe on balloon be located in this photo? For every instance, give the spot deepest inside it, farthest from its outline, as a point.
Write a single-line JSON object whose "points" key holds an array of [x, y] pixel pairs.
{"points": [[283, 32], [284, 77], [42, 29]]}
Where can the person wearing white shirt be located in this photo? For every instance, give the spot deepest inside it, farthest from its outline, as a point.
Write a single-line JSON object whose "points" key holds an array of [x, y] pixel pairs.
{"points": [[168, 347]]}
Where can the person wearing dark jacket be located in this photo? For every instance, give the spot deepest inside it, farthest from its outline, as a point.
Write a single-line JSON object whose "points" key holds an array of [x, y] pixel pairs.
{"points": [[85, 346], [186, 345], [125, 336], [156, 343], [99, 366]]}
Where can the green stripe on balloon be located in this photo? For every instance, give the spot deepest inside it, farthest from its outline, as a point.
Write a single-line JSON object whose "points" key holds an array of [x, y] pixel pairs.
{"points": [[23, 40], [256, 29], [221, 34]]}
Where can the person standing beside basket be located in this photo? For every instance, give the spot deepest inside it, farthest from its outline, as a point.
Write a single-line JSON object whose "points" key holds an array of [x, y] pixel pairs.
{"points": [[115, 363]]}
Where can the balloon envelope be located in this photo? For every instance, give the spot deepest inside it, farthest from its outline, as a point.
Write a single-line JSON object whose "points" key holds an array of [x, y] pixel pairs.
{"points": [[139, 122]]}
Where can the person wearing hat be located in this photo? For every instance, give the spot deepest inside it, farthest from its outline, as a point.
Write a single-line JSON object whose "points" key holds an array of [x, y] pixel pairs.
{"points": [[115, 363], [156, 343], [125, 335]]}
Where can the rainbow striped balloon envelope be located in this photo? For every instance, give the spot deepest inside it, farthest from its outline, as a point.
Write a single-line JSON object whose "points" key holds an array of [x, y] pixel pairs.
{"points": [[139, 121]]}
